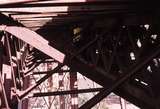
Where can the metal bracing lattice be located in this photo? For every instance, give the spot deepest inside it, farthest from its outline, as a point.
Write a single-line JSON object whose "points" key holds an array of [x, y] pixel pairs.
{"points": [[112, 42]]}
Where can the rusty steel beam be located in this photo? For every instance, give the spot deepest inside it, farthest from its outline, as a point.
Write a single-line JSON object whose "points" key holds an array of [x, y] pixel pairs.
{"points": [[4, 92], [37, 19], [74, 86], [66, 92], [83, 5], [97, 98], [62, 99], [36, 9], [22, 16], [25, 86], [63, 9], [79, 3], [34, 40], [45, 72], [68, 3], [9, 2]]}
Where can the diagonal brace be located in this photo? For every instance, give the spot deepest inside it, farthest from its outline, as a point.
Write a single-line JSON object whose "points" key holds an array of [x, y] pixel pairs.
{"points": [[34, 40], [24, 93], [102, 94]]}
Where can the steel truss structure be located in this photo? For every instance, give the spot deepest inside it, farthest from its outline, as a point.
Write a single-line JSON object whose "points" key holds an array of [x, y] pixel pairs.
{"points": [[115, 43]]}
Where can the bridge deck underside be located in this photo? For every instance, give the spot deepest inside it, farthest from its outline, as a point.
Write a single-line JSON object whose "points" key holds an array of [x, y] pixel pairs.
{"points": [[114, 43]]}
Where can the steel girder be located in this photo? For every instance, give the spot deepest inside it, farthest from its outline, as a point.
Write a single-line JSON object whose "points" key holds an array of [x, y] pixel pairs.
{"points": [[67, 92], [77, 3], [15, 1], [118, 82], [34, 40], [97, 72], [3, 94], [126, 90], [105, 79], [132, 93], [19, 58]]}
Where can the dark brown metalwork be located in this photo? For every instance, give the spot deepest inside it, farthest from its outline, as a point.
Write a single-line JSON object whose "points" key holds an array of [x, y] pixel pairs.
{"points": [[74, 86], [126, 63], [67, 92], [28, 90]]}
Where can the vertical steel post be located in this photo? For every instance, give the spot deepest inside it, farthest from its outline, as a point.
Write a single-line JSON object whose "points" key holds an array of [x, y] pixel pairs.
{"points": [[25, 86], [61, 86], [74, 86], [50, 83], [4, 92]]}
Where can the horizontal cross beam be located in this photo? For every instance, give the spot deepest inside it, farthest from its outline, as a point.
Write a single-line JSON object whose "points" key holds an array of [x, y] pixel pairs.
{"points": [[66, 92]]}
